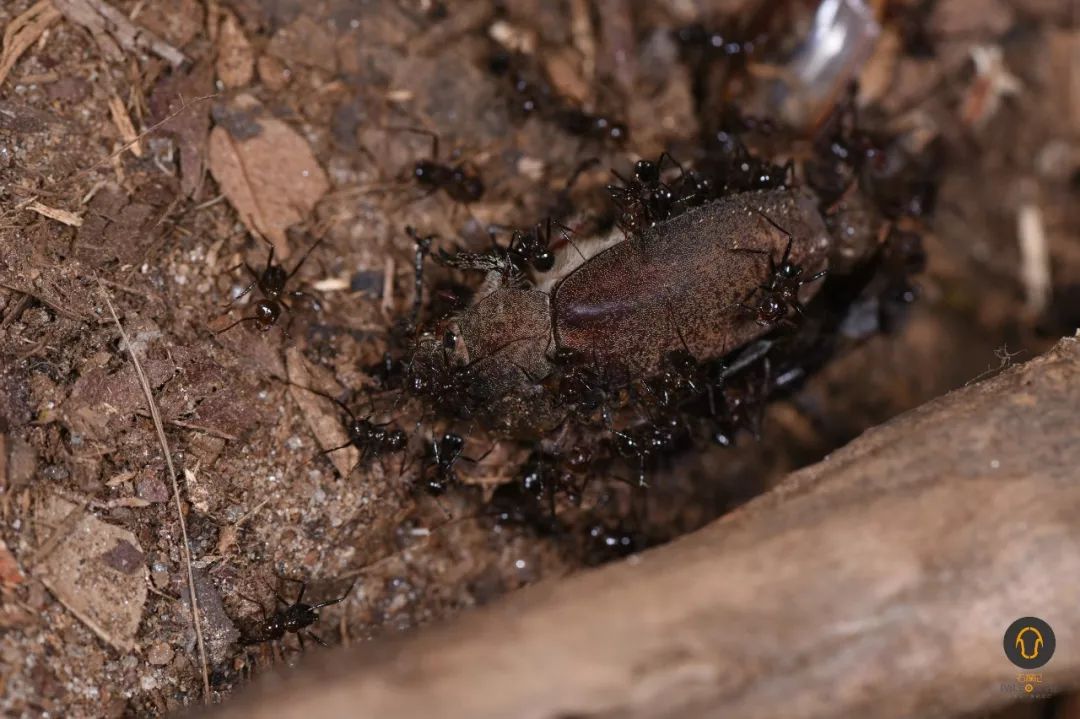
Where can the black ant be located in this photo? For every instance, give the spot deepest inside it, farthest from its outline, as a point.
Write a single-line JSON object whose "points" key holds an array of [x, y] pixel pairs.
{"points": [[744, 404], [781, 293], [607, 541], [646, 199], [707, 44], [535, 96], [461, 182], [533, 247], [296, 617], [271, 284], [579, 123], [736, 169], [423, 248], [529, 500], [445, 452], [653, 439], [370, 438]]}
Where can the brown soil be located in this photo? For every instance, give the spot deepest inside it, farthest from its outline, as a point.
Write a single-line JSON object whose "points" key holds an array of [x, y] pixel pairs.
{"points": [[94, 600]]}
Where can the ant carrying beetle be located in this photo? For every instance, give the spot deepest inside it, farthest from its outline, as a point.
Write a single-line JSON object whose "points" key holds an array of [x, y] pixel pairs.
{"points": [[781, 293], [533, 247], [271, 284], [295, 618], [645, 200]]}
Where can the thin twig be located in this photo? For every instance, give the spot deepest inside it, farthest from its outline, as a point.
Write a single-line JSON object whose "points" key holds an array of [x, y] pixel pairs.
{"points": [[123, 148], [176, 490]]}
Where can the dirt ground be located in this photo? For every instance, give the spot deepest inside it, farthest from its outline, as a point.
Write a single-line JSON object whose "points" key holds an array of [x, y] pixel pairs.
{"points": [[133, 167]]}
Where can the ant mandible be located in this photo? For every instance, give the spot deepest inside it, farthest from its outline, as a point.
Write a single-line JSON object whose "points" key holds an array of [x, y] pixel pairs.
{"points": [[295, 618], [781, 293], [461, 182], [271, 284]]}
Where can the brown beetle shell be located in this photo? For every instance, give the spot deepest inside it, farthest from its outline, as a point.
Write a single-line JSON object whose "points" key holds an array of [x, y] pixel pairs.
{"points": [[687, 273], [623, 305]]}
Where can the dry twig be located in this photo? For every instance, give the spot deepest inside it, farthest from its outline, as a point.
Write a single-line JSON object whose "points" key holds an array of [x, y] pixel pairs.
{"points": [[23, 31], [113, 30]]}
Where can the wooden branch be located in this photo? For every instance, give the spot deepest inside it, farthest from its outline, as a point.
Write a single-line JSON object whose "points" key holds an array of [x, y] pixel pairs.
{"points": [[876, 583], [112, 30]]}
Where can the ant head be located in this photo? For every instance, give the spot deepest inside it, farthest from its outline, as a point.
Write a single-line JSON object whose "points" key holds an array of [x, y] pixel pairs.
{"points": [[436, 485], [499, 62], [565, 356], [681, 361], [452, 442], [771, 309], [616, 131], [397, 440], [358, 430], [266, 313], [450, 340], [647, 171], [471, 187], [543, 260], [789, 270]]}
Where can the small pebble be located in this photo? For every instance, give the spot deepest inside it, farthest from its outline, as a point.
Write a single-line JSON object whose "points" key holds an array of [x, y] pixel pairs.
{"points": [[160, 654]]}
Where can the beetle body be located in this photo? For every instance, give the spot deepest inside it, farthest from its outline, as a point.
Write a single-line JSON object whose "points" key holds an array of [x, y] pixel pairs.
{"points": [[680, 286]]}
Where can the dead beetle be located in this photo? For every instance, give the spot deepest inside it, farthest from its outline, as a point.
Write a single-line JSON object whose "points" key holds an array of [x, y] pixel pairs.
{"points": [[678, 286]]}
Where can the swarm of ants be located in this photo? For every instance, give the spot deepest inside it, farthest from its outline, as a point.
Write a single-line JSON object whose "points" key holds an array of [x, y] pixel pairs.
{"points": [[714, 285]]}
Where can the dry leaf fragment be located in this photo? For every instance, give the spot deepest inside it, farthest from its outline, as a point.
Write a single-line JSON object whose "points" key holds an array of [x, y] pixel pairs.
{"points": [[265, 169], [236, 59], [97, 571], [322, 418], [23, 31], [10, 574], [187, 121], [123, 125]]}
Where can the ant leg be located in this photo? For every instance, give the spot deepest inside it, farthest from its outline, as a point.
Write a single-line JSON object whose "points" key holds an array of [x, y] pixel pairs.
{"points": [[814, 278], [311, 635], [566, 232], [255, 602], [333, 449], [423, 247], [234, 324], [787, 251], [582, 166], [335, 601], [269, 258], [482, 457], [247, 289], [300, 294], [303, 588], [303, 259]]}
